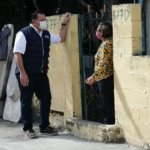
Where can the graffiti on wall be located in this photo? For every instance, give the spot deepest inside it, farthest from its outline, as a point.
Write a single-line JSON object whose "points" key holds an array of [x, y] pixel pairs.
{"points": [[54, 22], [120, 14]]}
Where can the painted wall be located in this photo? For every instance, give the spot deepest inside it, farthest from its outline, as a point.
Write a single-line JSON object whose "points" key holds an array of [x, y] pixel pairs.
{"points": [[64, 70], [131, 74]]}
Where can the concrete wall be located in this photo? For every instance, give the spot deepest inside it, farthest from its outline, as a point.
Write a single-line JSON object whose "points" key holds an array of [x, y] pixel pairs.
{"points": [[131, 74], [64, 70]]}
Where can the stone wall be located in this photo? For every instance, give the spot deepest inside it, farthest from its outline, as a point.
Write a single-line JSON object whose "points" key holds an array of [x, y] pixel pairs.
{"points": [[131, 74]]}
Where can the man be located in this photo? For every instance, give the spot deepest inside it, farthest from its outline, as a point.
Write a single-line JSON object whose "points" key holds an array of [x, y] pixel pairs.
{"points": [[31, 52]]}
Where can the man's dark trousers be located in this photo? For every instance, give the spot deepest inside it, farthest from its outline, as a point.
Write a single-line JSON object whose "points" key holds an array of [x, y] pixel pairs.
{"points": [[38, 84]]}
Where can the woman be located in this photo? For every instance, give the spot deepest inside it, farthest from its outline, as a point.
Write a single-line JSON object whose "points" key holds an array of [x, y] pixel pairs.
{"points": [[103, 72]]}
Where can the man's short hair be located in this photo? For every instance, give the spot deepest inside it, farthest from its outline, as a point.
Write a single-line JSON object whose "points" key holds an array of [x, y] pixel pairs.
{"points": [[34, 15]]}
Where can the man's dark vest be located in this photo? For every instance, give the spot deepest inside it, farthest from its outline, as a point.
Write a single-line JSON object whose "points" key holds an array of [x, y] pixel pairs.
{"points": [[35, 58]]}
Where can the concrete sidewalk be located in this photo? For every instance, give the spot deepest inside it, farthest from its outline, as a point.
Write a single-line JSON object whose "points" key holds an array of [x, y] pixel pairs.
{"points": [[12, 138]]}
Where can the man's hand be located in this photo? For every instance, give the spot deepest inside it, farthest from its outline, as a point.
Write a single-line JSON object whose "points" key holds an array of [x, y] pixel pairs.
{"points": [[63, 28], [24, 80], [65, 18]]}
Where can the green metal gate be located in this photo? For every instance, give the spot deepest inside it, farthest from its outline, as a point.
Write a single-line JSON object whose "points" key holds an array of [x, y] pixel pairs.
{"points": [[88, 48]]}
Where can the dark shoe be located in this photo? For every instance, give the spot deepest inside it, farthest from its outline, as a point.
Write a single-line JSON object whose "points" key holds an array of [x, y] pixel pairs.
{"points": [[48, 131], [30, 133]]}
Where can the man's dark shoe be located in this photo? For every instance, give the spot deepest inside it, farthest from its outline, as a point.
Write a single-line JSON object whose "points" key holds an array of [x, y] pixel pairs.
{"points": [[48, 131], [30, 133]]}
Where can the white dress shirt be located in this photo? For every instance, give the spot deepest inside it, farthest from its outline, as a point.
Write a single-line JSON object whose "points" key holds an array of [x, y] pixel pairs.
{"points": [[20, 40]]}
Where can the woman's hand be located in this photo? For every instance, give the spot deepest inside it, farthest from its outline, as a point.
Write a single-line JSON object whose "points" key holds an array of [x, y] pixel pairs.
{"points": [[90, 80]]}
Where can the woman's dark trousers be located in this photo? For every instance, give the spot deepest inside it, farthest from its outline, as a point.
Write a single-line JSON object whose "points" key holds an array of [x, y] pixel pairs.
{"points": [[106, 90]]}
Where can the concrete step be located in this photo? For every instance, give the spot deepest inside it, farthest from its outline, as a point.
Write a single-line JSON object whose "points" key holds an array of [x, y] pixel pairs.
{"points": [[95, 131]]}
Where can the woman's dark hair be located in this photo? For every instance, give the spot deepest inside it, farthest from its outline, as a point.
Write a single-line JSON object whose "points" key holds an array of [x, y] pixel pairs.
{"points": [[34, 15], [106, 29]]}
